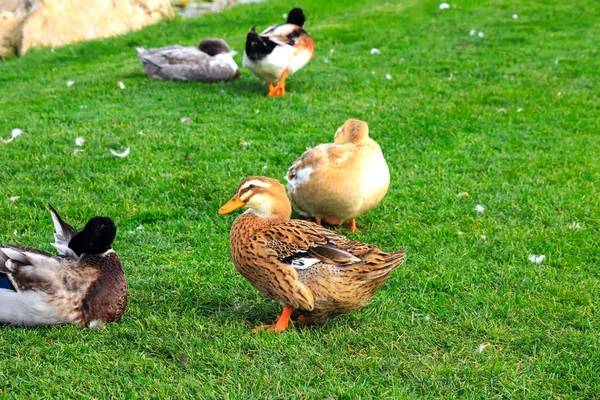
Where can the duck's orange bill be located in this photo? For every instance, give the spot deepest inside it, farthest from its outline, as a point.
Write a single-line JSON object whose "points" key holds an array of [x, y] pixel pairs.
{"points": [[231, 205]]}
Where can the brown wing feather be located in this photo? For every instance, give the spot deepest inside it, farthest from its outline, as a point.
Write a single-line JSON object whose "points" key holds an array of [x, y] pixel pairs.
{"points": [[283, 34], [295, 236], [332, 255]]}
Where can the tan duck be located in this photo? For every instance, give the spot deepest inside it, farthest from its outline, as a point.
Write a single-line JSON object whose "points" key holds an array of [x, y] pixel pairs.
{"points": [[338, 182], [300, 264], [84, 284], [210, 62], [279, 51]]}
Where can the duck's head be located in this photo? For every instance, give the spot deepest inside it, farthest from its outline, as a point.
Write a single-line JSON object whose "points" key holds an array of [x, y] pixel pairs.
{"points": [[264, 197], [353, 131], [95, 238], [212, 47], [296, 17]]}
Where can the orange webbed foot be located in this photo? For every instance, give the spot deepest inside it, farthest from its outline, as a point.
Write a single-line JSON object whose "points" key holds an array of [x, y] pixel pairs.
{"points": [[275, 91], [282, 322], [279, 89], [352, 226]]}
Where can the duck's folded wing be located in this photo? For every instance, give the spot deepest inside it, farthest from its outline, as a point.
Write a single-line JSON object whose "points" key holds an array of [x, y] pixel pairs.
{"points": [[302, 243], [63, 233], [324, 156], [295, 246], [30, 269], [222, 68], [156, 59], [323, 162], [286, 34]]}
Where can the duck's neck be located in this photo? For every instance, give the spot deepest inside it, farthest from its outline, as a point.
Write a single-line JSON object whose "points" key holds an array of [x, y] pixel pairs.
{"points": [[252, 222], [367, 141]]}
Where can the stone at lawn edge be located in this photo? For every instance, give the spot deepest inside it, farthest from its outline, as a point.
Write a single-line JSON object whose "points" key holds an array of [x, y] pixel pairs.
{"points": [[59, 22], [12, 16]]}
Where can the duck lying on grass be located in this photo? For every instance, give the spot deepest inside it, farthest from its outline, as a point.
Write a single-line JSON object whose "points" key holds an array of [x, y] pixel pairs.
{"points": [[300, 264], [279, 51], [210, 62], [340, 181], [84, 284]]}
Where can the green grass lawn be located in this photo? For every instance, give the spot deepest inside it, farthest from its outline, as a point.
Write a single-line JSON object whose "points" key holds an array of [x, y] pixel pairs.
{"points": [[511, 118]]}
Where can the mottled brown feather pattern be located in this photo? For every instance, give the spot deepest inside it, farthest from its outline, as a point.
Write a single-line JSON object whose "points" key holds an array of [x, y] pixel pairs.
{"points": [[259, 263], [260, 245]]}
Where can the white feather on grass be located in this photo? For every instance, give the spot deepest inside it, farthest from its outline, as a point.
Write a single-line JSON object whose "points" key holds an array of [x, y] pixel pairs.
{"points": [[122, 155], [13, 134]]}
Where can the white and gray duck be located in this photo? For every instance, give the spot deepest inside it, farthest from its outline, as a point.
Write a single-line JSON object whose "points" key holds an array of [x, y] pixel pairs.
{"points": [[211, 61], [84, 284]]}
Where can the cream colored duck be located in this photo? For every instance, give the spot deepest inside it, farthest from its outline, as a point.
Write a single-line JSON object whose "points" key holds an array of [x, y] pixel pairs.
{"points": [[338, 182], [300, 264], [210, 62], [279, 51], [84, 284]]}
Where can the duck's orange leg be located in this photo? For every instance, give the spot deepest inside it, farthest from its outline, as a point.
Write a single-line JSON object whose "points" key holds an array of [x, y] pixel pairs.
{"points": [[272, 90], [281, 324], [352, 226], [279, 89], [318, 221]]}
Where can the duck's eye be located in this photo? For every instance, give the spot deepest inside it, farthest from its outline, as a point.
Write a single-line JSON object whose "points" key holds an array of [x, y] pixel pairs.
{"points": [[251, 186]]}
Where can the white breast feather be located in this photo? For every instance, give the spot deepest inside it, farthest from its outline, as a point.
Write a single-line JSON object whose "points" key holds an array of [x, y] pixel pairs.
{"points": [[298, 61], [270, 68], [301, 176]]}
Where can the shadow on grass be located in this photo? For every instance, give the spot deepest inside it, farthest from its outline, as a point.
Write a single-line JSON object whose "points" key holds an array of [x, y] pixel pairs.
{"points": [[247, 310]]}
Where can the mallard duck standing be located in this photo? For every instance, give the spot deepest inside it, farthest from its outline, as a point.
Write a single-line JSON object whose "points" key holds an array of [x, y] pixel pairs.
{"points": [[210, 62], [298, 263], [84, 284], [338, 182], [279, 51]]}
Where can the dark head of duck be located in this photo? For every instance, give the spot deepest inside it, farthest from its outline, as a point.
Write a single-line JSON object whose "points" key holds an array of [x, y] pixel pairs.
{"points": [[296, 17], [95, 238], [212, 47]]}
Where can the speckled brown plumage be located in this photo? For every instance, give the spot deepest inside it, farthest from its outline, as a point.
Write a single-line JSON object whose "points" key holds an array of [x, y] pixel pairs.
{"points": [[269, 250]]}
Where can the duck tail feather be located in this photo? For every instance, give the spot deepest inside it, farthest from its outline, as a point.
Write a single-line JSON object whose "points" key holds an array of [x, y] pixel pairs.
{"points": [[386, 264], [63, 232]]}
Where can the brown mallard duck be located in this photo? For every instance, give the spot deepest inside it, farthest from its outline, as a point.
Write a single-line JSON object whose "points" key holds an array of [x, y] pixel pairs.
{"points": [[84, 284], [279, 51], [300, 264], [338, 182]]}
